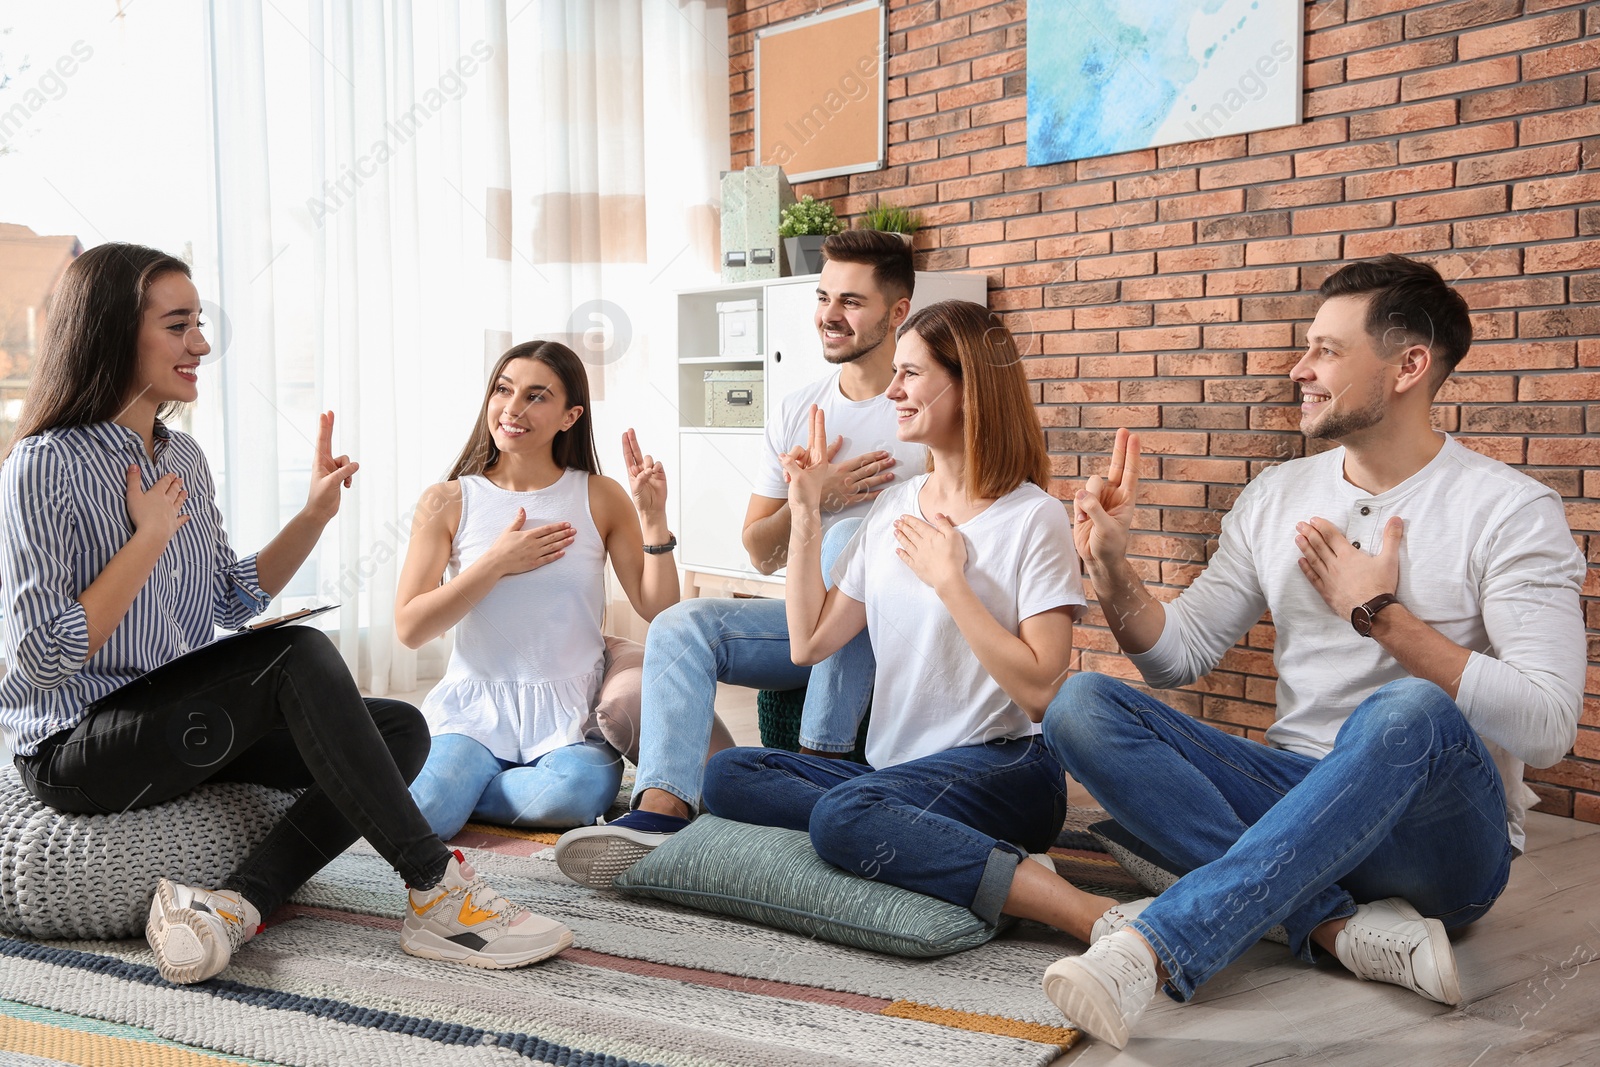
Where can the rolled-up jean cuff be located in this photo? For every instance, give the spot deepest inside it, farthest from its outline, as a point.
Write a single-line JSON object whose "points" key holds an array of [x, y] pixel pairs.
{"points": [[995, 885], [1177, 987], [828, 746], [640, 787]]}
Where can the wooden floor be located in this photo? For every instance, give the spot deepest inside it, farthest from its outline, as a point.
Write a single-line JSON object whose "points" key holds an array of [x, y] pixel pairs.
{"points": [[1530, 971]]}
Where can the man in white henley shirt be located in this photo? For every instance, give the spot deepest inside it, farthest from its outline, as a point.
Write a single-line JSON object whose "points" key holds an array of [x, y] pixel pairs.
{"points": [[1429, 643]]}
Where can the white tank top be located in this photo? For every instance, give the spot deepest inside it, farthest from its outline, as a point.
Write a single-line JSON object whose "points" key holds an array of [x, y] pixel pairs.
{"points": [[528, 658]]}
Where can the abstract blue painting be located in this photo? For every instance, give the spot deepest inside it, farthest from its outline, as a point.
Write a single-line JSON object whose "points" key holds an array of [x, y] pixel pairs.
{"points": [[1109, 76]]}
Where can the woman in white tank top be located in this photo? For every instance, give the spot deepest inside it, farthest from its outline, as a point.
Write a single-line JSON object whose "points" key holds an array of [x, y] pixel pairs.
{"points": [[522, 528]]}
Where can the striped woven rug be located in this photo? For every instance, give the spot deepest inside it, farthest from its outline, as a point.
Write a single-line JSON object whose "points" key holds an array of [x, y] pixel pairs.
{"points": [[646, 983]]}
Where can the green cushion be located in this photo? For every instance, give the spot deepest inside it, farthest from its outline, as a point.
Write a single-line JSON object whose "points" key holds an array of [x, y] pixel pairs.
{"points": [[778, 714], [773, 876]]}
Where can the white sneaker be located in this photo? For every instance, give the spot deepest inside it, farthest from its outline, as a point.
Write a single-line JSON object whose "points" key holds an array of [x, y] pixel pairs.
{"points": [[1390, 941], [1106, 989], [195, 932], [1118, 916], [462, 920]]}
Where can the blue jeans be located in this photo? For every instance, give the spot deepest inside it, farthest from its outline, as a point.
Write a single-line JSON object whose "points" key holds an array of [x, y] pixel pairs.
{"points": [[571, 786], [1408, 804], [697, 643], [952, 825]]}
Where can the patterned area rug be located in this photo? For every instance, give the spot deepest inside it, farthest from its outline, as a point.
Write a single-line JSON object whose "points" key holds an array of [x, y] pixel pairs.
{"points": [[646, 983]]}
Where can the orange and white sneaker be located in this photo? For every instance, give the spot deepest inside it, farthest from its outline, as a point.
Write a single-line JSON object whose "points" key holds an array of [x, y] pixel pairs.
{"points": [[195, 932], [462, 920]]}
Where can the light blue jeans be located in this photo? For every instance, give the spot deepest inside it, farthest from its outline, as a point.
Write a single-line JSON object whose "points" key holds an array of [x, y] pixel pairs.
{"points": [[571, 786], [697, 643], [1408, 804]]}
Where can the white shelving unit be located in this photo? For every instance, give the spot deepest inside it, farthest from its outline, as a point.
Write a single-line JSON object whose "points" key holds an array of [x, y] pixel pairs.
{"points": [[717, 464]]}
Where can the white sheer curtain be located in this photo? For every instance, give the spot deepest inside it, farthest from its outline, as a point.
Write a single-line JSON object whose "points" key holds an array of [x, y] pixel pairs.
{"points": [[404, 189]]}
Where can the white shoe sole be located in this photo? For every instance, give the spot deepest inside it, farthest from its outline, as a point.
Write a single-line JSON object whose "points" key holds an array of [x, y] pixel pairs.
{"points": [[598, 857], [1085, 1001], [184, 943], [427, 945]]}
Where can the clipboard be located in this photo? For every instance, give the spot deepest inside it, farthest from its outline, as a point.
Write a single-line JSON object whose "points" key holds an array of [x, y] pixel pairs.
{"points": [[284, 620]]}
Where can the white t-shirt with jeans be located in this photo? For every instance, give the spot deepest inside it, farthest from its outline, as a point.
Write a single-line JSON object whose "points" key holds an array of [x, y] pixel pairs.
{"points": [[931, 693]]}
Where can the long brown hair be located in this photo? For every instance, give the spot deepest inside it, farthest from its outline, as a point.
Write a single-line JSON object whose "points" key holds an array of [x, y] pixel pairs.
{"points": [[1003, 442], [89, 358], [573, 448]]}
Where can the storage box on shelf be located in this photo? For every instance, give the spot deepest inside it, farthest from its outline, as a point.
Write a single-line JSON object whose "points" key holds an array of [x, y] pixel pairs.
{"points": [[757, 336]]}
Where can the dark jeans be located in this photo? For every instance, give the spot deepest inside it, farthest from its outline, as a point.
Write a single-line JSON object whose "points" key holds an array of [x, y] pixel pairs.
{"points": [[952, 825], [278, 708], [1408, 804]]}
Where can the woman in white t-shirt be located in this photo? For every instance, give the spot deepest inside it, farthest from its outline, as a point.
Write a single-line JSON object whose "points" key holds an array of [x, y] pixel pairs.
{"points": [[967, 581]]}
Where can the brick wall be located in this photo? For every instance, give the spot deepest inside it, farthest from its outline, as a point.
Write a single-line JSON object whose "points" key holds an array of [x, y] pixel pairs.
{"points": [[1169, 289]]}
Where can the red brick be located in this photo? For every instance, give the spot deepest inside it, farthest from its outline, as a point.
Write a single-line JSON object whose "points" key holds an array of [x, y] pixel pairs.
{"points": [[1477, 389], [1460, 15], [1295, 194], [1162, 338], [1164, 286], [1204, 470], [1278, 280], [1292, 250], [1126, 163], [1323, 72], [1428, 115], [1562, 126], [1357, 97], [1010, 252], [1344, 158], [1114, 316], [1504, 449], [1405, 240], [1198, 205], [1243, 227], [1576, 189], [1342, 218], [1080, 392], [1177, 260], [1575, 255], [1127, 213], [1577, 58], [1467, 140], [1191, 311], [1080, 294], [1254, 335], [1583, 320], [1072, 246], [1523, 34], [1353, 38], [1164, 235], [1077, 195], [1264, 308], [1522, 355], [1523, 99], [1560, 452], [1518, 229], [1509, 166], [1100, 267], [1561, 387], [1400, 181], [1456, 80], [1122, 415], [1077, 343], [1305, 135], [1513, 293], [1455, 205], [1200, 363], [1247, 172], [1413, 55], [1161, 183], [1031, 224], [1193, 153]]}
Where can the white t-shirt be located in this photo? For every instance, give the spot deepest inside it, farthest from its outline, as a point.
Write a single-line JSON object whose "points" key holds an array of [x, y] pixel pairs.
{"points": [[867, 426], [1487, 559], [931, 694]]}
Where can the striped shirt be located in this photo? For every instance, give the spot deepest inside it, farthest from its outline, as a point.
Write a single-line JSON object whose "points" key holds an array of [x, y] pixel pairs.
{"points": [[64, 506]]}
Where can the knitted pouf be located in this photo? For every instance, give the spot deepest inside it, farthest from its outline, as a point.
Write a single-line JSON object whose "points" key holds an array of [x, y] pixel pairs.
{"points": [[778, 713], [92, 876]]}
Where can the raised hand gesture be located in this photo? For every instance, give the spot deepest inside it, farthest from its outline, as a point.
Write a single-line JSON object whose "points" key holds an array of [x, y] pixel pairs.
{"points": [[1102, 512], [156, 512], [647, 480], [807, 469], [329, 473], [517, 551]]}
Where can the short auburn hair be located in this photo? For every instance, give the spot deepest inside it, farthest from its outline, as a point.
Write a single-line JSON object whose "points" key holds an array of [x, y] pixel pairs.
{"points": [[1004, 443]]}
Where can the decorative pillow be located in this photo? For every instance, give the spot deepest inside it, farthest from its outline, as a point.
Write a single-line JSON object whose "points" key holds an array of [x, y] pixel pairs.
{"points": [[1149, 868], [92, 876], [773, 876]]}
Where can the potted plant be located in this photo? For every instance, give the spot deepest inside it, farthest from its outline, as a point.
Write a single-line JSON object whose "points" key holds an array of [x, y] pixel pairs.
{"points": [[804, 225], [891, 218]]}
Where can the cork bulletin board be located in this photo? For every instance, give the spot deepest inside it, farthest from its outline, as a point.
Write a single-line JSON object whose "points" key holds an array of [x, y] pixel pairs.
{"points": [[820, 105]]}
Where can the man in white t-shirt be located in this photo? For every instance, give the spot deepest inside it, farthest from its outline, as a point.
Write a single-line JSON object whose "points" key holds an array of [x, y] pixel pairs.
{"points": [[1428, 643], [863, 295]]}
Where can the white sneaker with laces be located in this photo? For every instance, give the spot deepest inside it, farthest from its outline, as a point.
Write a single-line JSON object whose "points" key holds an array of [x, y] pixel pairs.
{"points": [[1106, 989], [1390, 941], [462, 920], [1118, 916], [195, 932]]}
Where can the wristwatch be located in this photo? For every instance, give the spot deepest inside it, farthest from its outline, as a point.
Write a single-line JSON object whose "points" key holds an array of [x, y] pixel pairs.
{"points": [[1363, 615], [661, 550]]}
